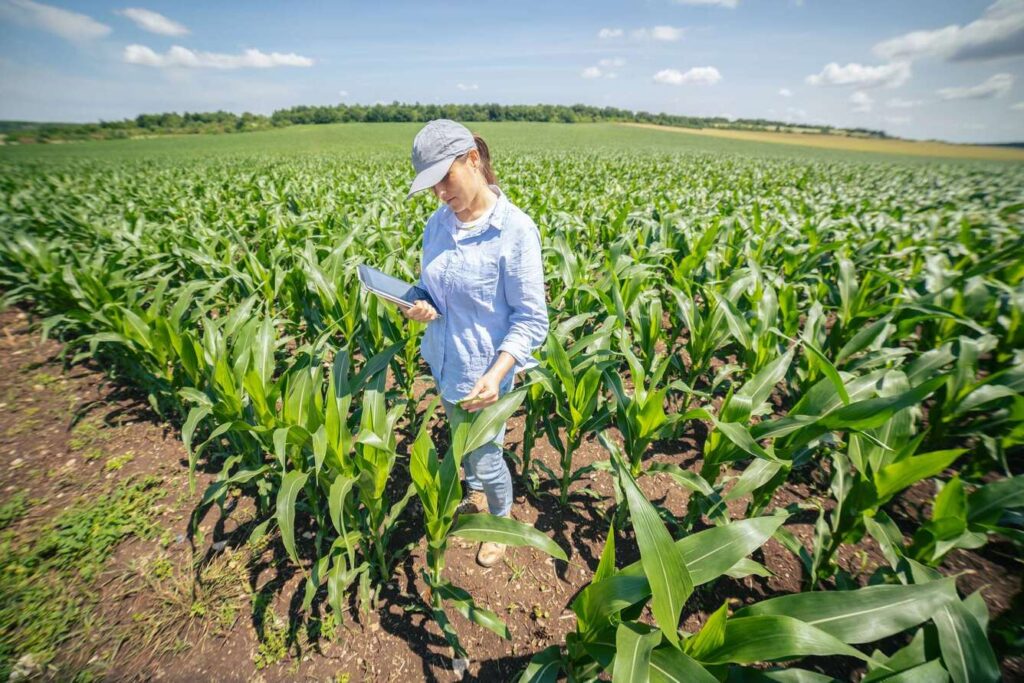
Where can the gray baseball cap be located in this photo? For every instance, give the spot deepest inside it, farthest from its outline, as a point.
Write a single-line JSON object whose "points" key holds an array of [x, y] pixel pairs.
{"points": [[434, 149]]}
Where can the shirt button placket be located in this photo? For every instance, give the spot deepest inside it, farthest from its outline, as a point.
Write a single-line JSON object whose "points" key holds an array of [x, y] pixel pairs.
{"points": [[446, 279]]}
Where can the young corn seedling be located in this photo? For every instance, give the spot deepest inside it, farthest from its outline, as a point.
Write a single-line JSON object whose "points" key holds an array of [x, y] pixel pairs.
{"points": [[437, 484], [610, 639], [706, 330], [640, 415], [387, 325], [753, 330], [538, 405], [964, 520], [575, 381], [881, 460]]}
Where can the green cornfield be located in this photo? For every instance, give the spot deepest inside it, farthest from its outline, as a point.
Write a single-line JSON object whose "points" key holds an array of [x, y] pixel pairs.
{"points": [[850, 320]]}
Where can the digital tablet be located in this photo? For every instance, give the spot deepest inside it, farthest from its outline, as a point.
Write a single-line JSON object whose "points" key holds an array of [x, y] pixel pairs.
{"points": [[391, 288]]}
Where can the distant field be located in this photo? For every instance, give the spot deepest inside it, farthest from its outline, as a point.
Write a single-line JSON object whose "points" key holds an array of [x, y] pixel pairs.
{"points": [[394, 140], [836, 142], [741, 332]]}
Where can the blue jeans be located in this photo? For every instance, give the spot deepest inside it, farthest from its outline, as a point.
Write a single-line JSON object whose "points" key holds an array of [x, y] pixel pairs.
{"points": [[485, 468]]}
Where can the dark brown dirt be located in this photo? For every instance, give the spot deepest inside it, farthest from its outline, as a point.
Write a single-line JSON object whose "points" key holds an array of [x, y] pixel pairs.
{"points": [[150, 629]]}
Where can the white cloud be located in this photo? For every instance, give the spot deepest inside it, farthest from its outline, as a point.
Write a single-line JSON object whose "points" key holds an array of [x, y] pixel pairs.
{"points": [[1019, 106], [601, 71], [179, 56], [468, 86], [700, 75], [999, 32], [862, 102], [610, 33], [64, 23], [343, 93], [889, 75], [900, 103], [35, 93], [785, 92], [728, 4], [153, 22], [897, 120], [667, 34], [996, 86]]}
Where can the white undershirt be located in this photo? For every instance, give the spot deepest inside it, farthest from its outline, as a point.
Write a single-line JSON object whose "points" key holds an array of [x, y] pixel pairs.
{"points": [[468, 225]]}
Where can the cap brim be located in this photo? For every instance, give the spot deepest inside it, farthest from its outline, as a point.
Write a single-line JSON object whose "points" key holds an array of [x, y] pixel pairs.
{"points": [[430, 176]]}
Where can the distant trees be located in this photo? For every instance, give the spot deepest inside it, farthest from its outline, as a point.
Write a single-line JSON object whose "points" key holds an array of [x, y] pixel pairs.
{"points": [[228, 122]]}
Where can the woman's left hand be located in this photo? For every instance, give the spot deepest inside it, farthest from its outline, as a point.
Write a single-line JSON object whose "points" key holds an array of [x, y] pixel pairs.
{"points": [[483, 394]]}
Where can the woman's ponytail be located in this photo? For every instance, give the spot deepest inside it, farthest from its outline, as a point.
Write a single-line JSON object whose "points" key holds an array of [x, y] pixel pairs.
{"points": [[485, 160]]}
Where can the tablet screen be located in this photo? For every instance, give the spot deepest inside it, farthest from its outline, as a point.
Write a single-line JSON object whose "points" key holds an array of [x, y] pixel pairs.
{"points": [[383, 283]]}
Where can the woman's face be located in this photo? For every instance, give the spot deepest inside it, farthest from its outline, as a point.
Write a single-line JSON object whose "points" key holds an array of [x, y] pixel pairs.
{"points": [[464, 181]]}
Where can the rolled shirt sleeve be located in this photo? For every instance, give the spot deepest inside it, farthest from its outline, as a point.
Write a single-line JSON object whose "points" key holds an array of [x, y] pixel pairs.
{"points": [[524, 292]]}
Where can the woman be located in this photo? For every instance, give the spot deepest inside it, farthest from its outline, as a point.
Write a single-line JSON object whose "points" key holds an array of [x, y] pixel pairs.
{"points": [[482, 268]]}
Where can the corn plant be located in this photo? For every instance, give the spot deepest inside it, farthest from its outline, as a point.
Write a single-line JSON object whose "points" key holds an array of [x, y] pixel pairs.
{"points": [[574, 379], [640, 414], [609, 638], [706, 329], [437, 484], [537, 406], [964, 520], [882, 460], [972, 404]]}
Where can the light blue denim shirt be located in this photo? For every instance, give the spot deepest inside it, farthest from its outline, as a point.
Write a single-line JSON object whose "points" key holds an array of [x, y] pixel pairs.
{"points": [[488, 287]]}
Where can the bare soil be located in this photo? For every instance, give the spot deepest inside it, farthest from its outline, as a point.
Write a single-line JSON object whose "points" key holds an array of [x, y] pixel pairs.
{"points": [[183, 608]]}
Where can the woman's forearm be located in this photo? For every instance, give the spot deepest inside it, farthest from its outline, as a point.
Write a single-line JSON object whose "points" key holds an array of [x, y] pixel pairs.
{"points": [[505, 362]]}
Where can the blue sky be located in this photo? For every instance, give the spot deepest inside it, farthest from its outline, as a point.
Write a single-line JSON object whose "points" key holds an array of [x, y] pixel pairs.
{"points": [[944, 69]]}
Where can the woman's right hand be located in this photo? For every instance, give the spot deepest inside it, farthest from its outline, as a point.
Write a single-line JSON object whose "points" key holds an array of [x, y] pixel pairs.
{"points": [[421, 312]]}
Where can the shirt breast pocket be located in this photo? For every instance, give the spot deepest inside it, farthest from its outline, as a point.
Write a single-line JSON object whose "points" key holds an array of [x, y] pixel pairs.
{"points": [[480, 277]]}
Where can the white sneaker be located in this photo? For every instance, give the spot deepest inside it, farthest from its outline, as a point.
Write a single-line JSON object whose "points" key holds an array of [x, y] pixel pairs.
{"points": [[490, 553]]}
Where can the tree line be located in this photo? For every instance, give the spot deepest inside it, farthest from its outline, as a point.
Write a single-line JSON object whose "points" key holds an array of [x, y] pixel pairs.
{"points": [[228, 122]]}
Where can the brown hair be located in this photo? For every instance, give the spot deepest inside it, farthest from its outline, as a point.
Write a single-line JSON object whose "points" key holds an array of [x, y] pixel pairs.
{"points": [[485, 160]]}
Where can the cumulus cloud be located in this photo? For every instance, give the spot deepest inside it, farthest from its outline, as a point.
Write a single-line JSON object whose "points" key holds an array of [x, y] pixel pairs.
{"points": [[179, 56], [728, 4], [999, 32], [610, 33], [890, 75], [468, 86], [862, 102], [785, 92], [153, 22], [592, 72], [995, 86], [64, 23], [614, 62], [900, 103], [668, 34], [699, 75]]}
